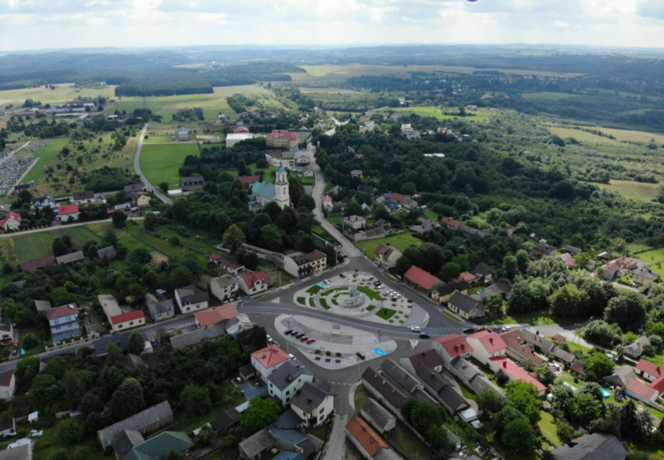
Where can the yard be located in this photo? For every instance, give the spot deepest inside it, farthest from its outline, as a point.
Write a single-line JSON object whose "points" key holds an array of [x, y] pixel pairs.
{"points": [[161, 163], [655, 258], [401, 241], [480, 115]]}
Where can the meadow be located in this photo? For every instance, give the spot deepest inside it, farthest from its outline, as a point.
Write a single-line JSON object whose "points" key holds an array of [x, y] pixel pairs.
{"points": [[638, 191], [401, 241], [64, 92], [581, 136], [481, 115], [654, 258], [46, 155], [37, 245], [547, 96], [161, 163]]}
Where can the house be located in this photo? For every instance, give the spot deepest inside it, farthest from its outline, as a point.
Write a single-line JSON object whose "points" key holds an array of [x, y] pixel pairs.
{"points": [[644, 393], [63, 322], [7, 384], [472, 377], [649, 371], [249, 180], [224, 287], [377, 416], [297, 265], [405, 381], [196, 337], [183, 133], [46, 201], [577, 370], [302, 158], [282, 139], [610, 271], [268, 360], [235, 138], [505, 366], [225, 264], [7, 428], [627, 263], [354, 223], [482, 274], [644, 275], [189, 300], [11, 222], [253, 282], [328, 203], [605, 256], [215, 315], [226, 422], [429, 358], [486, 345], [19, 452], [419, 279], [5, 208], [285, 382], [160, 446], [87, 197], [465, 306], [193, 180], [367, 441], [543, 250], [573, 251], [142, 199], [595, 446], [257, 445], [635, 349], [453, 346], [68, 213], [36, 264], [108, 253], [451, 223], [133, 189], [621, 376], [70, 258], [384, 391], [569, 261], [500, 288], [238, 324], [443, 391], [382, 223], [356, 173], [518, 350], [159, 310], [146, 421], [7, 328], [386, 256], [442, 292], [116, 317]]}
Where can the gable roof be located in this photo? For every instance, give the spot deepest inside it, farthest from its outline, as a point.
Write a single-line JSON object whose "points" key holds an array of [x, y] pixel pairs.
{"points": [[125, 441], [108, 252], [62, 311], [384, 387], [650, 368], [378, 414], [444, 289], [270, 356], [212, 316], [266, 190], [508, 367], [365, 436], [257, 443], [250, 277], [193, 338], [467, 304], [160, 445], [429, 358], [22, 452], [577, 366], [87, 195], [249, 179], [70, 258], [593, 447], [311, 395], [226, 419], [491, 341], [399, 375], [443, 388], [10, 216], [621, 376], [465, 276], [125, 317], [286, 374], [138, 422], [6, 378], [523, 350], [421, 278], [386, 251], [454, 344], [636, 387]]}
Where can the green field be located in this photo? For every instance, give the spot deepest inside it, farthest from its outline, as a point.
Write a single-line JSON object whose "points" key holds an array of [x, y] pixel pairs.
{"points": [[480, 115], [655, 258], [161, 163], [638, 191], [46, 156], [159, 138], [401, 242], [581, 136], [64, 92], [547, 96], [36, 245]]}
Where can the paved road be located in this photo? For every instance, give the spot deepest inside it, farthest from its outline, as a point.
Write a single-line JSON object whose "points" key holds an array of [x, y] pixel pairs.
{"points": [[137, 168]]}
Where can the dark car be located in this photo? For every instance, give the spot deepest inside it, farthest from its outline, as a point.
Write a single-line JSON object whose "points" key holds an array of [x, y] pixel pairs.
{"points": [[288, 331], [343, 275], [469, 330], [361, 355], [424, 335], [299, 335], [377, 283]]}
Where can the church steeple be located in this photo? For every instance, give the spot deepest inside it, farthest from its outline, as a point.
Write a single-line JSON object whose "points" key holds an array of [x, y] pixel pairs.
{"points": [[282, 195]]}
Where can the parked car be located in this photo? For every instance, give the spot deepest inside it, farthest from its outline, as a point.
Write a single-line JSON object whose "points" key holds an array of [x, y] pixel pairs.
{"points": [[377, 283], [15, 345], [327, 281], [361, 356], [311, 340], [343, 275], [469, 330], [304, 338], [299, 335], [15, 352], [288, 331], [294, 333]]}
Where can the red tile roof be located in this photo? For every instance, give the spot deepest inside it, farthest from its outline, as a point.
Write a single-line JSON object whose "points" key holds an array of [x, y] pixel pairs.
{"points": [[316, 255], [230, 264], [650, 368], [327, 198], [241, 129], [421, 278], [68, 209], [451, 222], [60, 312], [249, 179], [491, 341], [465, 276], [207, 318], [270, 356], [250, 278], [365, 436], [636, 387], [455, 345], [658, 385], [559, 338], [283, 135], [10, 216], [6, 378], [125, 317], [511, 369], [399, 197]]}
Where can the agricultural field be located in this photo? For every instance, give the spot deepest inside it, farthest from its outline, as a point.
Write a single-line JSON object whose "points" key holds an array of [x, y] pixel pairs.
{"points": [[62, 93], [634, 136], [547, 96], [45, 156], [638, 191], [581, 136], [402, 242], [481, 115], [161, 163], [36, 245], [212, 104]]}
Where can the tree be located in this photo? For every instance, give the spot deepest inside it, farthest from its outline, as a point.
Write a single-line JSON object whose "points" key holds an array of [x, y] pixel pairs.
{"points": [[489, 402], [523, 397], [45, 394], [26, 370], [495, 307], [503, 417], [631, 428], [140, 256], [119, 219], [271, 238], [353, 209], [136, 343], [598, 366], [127, 400], [449, 271], [586, 409], [519, 436], [568, 301], [627, 310], [151, 221], [260, 413], [30, 341], [74, 388], [163, 186], [70, 431], [424, 415], [545, 375], [196, 400], [234, 238]]}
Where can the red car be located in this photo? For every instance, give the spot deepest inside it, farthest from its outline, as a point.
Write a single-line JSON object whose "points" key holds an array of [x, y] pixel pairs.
{"points": [[304, 338], [294, 333], [15, 345], [311, 340]]}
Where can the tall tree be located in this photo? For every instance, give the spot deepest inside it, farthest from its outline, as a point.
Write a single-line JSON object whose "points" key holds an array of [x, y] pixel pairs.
{"points": [[136, 343], [523, 397], [127, 400], [234, 238], [260, 413]]}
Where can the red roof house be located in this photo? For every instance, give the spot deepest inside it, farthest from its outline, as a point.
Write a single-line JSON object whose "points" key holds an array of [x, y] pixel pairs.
{"points": [[451, 223], [465, 276], [500, 364], [268, 360], [11, 222], [249, 180], [212, 316], [364, 437], [68, 209], [649, 371], [487, 345], [420, 279], [253, 282], [135, 315], [62, 311], [283, 135], [452, 346], [241, 129], [638, 390]]}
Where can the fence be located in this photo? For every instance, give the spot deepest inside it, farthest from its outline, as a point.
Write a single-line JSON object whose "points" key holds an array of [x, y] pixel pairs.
{"points": [[75, 342]]}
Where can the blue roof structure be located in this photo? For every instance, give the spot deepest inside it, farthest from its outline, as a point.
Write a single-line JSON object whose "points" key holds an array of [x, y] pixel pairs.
{"points": [[285, 455], [265, 190]]}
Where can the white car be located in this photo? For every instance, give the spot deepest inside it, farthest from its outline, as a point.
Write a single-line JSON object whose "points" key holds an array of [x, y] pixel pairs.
{"points": [[415, 328], [327, 281]]}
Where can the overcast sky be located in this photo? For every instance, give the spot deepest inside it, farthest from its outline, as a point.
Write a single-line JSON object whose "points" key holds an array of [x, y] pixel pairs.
{"points": [[38, 24]]}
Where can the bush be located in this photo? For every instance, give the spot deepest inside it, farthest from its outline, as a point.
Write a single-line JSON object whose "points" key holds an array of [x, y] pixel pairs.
{"points": [[70, 431]]}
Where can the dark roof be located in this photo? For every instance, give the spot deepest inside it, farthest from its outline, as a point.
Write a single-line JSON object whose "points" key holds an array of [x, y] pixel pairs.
{"points": [[35, 264], [495, 289], [467, 304], [379, 416], [83, 195], [571, 250], [429, 358], [311, 395], [138, 422], [593, 447], [442, 387], [545, 345], [158, 306], [445, 289], [6, 377], [107, 253], [125, 441], [136, 362], [225, 420], [70, 258], [399, 375], [635, 349], [22, 452], [193, 338], [577, 367], [191, 180], [289, 420], [284, 376], [257, 443], [384, 387], [299, 258], [133, 188], [188, 295]]}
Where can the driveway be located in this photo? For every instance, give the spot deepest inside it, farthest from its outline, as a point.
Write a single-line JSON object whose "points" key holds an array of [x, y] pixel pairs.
{"points": [[137, 168]]}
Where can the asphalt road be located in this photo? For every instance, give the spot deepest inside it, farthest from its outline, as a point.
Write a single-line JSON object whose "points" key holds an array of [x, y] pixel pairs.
{"points": [[137, 168]]}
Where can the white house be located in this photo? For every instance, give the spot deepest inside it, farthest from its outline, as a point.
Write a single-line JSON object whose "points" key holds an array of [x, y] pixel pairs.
{"points": [[355, 222], [119, 320], [451, 347], [183, 133], [11, 222], [224, 287], [189, 300], [268, 360], [486, 345], [46, 201], [287, 380], [68, 213], [301, 265], [314, 403], [87, 197], [234, 138], [253, 282], [387, 256], [7, 384], [63, 322]]}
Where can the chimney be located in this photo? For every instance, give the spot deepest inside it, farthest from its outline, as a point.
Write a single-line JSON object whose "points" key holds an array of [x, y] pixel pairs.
{"points": [[491, 340], [463, 346], [309, 400], [505, 364], [456, 347]]}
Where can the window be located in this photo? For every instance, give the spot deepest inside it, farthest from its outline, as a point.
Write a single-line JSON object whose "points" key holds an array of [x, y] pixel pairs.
{"points": [[131, 323]]}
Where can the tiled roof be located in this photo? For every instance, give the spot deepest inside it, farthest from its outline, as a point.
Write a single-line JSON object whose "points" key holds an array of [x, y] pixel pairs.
{"points": [[455, 345], [593, 447], [6, 377], [125, 317], [62, 311], [250, 277], [283, 135], [68, 209], [215, 315], [311, 395], [658, 385], [509, 368], [384, 387], [465, 276], [421, 278], [270, 356], [429, 358], [138, 422], [10, 216], [650, 368], [316, 255], [365, 436], [635, 387], [491, 341]]}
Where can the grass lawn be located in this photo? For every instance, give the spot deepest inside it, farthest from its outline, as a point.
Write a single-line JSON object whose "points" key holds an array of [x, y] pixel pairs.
{"points": [[64, 92], [37, 245], [373, 295], [302, 300], [637, 191], [429, 214], [401, 241], [449, 113], [324, 304], [451, 316], [536, 318], [408, 443], [548, 429], [161, 163], [46, 156], [576, 346], [386, 313], [361, 395], [655, 258], [330, 291], [315, 289], [159, 138]]}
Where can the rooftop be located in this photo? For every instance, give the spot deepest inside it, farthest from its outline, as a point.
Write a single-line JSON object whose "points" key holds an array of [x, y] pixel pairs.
{"points": [[61, 312], [455, 345], [365, 436], [510, 368], [270, 356], [491, 341], [207, 318], [421, 278]]}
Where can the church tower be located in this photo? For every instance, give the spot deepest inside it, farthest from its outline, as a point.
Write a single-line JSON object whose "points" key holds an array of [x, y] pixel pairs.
{"points": [[282, 196]]}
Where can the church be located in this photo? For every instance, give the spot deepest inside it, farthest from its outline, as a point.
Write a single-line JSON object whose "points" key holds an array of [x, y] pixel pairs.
{"points": [[263, 193]]}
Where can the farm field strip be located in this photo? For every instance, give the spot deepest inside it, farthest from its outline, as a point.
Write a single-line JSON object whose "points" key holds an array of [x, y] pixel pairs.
{"points": [[45, 155], [64, 92], [161, 163], [354, 70], [37, 245]]}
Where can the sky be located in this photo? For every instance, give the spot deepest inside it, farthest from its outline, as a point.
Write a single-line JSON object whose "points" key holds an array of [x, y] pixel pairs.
{"points": [[48, 24]]}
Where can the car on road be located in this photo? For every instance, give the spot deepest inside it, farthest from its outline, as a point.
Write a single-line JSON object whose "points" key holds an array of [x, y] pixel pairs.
{"points": [[15, 352], [269, 339], [327, 281], [311, 340], [361, 356], [291, 356], [415, 328], [469, 330], [294, 333], [299, 335], [343, 275], [424, 335]]}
